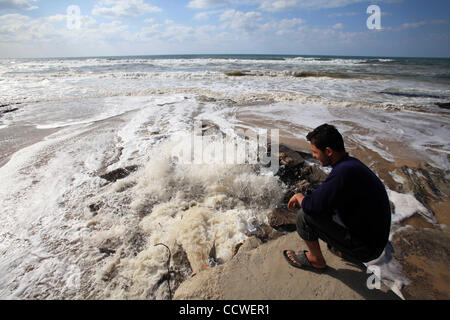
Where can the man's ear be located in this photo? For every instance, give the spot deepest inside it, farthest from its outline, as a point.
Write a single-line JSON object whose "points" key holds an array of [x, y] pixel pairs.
{"points": [[328, 151]]}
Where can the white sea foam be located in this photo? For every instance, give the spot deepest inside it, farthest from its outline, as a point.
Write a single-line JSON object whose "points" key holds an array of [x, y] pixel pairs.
{"points": [[57, 212], [184, 206], [406, 205], [60, 79], [57, 177], [41, 240]]}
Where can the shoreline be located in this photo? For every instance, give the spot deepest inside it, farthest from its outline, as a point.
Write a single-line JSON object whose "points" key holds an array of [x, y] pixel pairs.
{"points": [[384, 167], [17, 137]]}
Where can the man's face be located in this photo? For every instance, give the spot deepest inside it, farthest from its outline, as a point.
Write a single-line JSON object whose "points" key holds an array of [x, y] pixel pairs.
{"points": [[323, 159]]}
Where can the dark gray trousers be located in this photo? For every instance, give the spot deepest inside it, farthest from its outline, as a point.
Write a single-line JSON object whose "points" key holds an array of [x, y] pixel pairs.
{"points": [[323, 227]]}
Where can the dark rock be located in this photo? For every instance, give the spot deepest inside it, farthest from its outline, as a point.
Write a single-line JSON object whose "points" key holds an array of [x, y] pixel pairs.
{"points": [[289, 157], [118, 174], [313, 175], [10, 110], [282, 218], [265, 233], [289, 169], [235, 73], [210, 128], [293, 172], [306, 181], [303, 187], [106, 251], [444, 105], [236, 248], [9, 104], [206, 99], [94, 207]]}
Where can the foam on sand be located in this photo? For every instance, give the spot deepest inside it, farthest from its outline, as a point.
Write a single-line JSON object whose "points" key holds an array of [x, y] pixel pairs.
{"points": [[183, 206]]}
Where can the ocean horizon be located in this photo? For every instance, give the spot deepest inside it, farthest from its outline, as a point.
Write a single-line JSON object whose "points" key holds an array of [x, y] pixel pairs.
{"points": [[234, 55]]}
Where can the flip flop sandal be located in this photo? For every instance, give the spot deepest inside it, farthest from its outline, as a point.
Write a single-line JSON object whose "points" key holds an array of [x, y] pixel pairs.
{"points": [[301, 261]]}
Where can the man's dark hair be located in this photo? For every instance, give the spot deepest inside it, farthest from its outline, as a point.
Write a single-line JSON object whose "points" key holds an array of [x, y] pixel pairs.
{"points": [[326, 135]]}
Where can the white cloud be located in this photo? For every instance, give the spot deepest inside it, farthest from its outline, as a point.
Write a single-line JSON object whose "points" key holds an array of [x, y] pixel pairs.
{"points": [[57, 18], [167, 32], [16, 28], [328, 4], [343, 14], [180, 33], [279, 5], [17, 4], [241, 21], [338, 26], [415, 25], [204, 15], [285, 26], [147, 32], [290, 23], [321, 4], [123, 8], [13, 17], [203, 4]]}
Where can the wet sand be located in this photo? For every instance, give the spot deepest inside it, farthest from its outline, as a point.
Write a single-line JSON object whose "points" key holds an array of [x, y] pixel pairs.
{"points": [[19, 136], [430, 277]]}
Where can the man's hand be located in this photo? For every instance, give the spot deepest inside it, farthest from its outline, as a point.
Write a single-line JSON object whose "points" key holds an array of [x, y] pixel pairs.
{"points": [[296, 199]]}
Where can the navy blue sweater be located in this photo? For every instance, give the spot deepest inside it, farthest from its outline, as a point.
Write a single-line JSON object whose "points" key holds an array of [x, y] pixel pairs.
{"points": [[358, 196]]}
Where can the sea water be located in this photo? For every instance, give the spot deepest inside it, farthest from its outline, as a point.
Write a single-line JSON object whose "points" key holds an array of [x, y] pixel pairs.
{"points": [[79, 118]]}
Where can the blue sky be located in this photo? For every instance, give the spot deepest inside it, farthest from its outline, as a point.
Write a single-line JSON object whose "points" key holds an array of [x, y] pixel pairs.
{"points": [[37, 28]]}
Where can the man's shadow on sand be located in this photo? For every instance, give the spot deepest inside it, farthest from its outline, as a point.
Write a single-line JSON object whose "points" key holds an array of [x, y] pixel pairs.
{"points": [[357, 281]]}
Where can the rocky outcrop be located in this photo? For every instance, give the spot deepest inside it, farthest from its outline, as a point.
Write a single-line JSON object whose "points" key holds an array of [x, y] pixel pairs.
{"points": [[235, 73], [118, 174], [443, 105], [8, 108], [290, 164], [282, 219], [265, 233], [296, 174]]}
